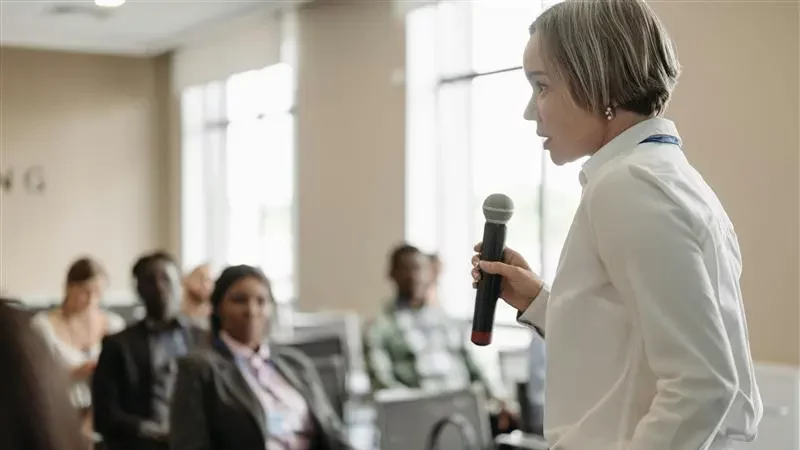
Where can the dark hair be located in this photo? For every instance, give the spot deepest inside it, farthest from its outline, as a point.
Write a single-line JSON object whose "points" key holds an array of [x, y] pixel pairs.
{"points": [[36, 413], [141, 264], [400, 251], [84, 269], [226, 279]]}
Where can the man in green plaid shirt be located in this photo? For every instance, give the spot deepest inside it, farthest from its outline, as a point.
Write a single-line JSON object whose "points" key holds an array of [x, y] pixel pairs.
{"points": [[414, 344]]}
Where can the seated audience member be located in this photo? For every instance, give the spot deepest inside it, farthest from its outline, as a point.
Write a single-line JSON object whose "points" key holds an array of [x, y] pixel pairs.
{"points": [[197, 288], [36, 412], [135, 373], [244, 394], [414, 344], [73, 331]]}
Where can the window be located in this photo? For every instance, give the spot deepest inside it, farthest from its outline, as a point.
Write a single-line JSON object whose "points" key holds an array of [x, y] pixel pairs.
{"points": [[238, 174], [467, 139]]}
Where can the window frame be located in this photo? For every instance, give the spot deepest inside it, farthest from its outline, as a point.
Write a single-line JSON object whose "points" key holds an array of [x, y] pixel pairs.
{"points": [[210, 137], [460, 24]]}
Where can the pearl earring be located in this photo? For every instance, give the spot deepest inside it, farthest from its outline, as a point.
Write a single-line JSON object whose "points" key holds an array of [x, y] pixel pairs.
{"points": [[609, 113]]}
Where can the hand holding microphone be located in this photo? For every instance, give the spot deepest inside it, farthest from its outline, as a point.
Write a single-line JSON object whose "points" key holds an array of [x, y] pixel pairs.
{"points": [[520, 284], [498, 272]]}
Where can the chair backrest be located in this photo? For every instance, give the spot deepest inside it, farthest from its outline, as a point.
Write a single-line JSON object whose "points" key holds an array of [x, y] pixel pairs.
{"points": [[316, 345], [129, 313], [514, 369], [406, 417], [514, 366], [346, 325], [332, 374], [531, 415], [328, 352]]}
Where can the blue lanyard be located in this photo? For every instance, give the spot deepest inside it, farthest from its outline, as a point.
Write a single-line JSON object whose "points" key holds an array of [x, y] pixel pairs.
{"points": [[662, 139]]}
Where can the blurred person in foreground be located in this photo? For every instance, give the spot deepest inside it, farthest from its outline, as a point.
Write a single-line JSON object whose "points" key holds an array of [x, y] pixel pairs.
{"points": [[133, 382], [74, 330], [414, 344], [646, 336], [243, 393], [35, 412], [197, 287]]}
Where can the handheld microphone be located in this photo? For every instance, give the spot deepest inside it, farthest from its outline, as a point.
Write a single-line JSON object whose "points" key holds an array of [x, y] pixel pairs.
{"points": [[498, 209]]}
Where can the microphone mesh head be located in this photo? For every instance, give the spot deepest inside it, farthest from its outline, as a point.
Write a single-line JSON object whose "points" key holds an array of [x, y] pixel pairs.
{"points": [[498, 208]]}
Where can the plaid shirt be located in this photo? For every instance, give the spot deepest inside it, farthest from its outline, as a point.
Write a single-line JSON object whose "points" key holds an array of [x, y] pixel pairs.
{"points": [[419, 348]]}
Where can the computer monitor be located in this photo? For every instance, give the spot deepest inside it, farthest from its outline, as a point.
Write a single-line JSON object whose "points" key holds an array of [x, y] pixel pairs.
{"points": [[407, 417]]}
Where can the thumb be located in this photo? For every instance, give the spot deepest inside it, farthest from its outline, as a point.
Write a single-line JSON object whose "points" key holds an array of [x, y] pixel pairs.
{"points": [[496, 268]]}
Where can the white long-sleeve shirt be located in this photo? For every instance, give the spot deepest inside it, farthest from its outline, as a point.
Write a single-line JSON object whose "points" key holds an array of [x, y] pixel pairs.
{"points": [[647, 344]]}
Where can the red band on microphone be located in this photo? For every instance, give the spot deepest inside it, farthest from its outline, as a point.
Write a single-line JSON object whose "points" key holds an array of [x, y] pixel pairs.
{"points": [[481, 337]]}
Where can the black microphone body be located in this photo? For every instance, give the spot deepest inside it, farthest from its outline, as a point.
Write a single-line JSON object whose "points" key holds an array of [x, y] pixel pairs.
{"points": [[494, 241]]}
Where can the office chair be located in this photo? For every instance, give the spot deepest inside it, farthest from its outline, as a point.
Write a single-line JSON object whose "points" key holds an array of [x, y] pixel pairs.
{"points": [[328, 353], [331, 372], [346, 325], [514, 366], [468, 435], [406, 416]]}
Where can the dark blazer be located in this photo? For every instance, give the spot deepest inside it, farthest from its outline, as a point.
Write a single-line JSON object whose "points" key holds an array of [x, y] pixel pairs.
{"points": [[122, 386], [219, 411]]}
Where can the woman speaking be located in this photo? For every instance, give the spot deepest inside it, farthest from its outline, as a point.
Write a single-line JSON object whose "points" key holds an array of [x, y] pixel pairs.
{"points": [[646, 337]]}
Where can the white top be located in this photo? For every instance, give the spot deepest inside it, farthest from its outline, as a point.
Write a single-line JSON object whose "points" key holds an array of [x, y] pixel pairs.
{"points": [[646, 337], [71, 357]]}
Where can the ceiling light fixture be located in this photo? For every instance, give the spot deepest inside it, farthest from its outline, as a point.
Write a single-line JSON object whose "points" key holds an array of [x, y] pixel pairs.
{"points": [[109, 3]]}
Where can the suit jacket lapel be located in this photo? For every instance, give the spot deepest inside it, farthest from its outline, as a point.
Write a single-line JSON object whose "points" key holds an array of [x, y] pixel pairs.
{"points": [[233, 378], [289, 374], [140, 352], [303, 387]]}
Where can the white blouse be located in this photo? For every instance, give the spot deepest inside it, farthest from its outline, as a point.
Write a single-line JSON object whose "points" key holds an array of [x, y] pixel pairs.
{"points": [[645, 329], [69, 356]]}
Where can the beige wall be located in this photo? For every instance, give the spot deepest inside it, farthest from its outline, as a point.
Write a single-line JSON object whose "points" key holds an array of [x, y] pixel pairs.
{"points": [[736, 105], [350, 152], [94, 123]]}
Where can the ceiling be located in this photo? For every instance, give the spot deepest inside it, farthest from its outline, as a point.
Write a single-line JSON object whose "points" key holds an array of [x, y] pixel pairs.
{"points": [[139, 27]]}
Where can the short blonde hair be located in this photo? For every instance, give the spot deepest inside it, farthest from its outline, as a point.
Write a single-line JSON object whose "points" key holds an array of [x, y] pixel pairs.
{"points": [[611, 53]]}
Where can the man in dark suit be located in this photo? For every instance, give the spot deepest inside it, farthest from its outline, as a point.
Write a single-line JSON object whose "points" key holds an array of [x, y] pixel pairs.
{"points": [[136, 370]]}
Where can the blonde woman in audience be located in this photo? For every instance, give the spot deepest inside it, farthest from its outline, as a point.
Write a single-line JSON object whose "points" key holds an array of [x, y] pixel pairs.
{"points": [[35, 411], [646, 336], [74, 330], [244, 393], [197, 287]]}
